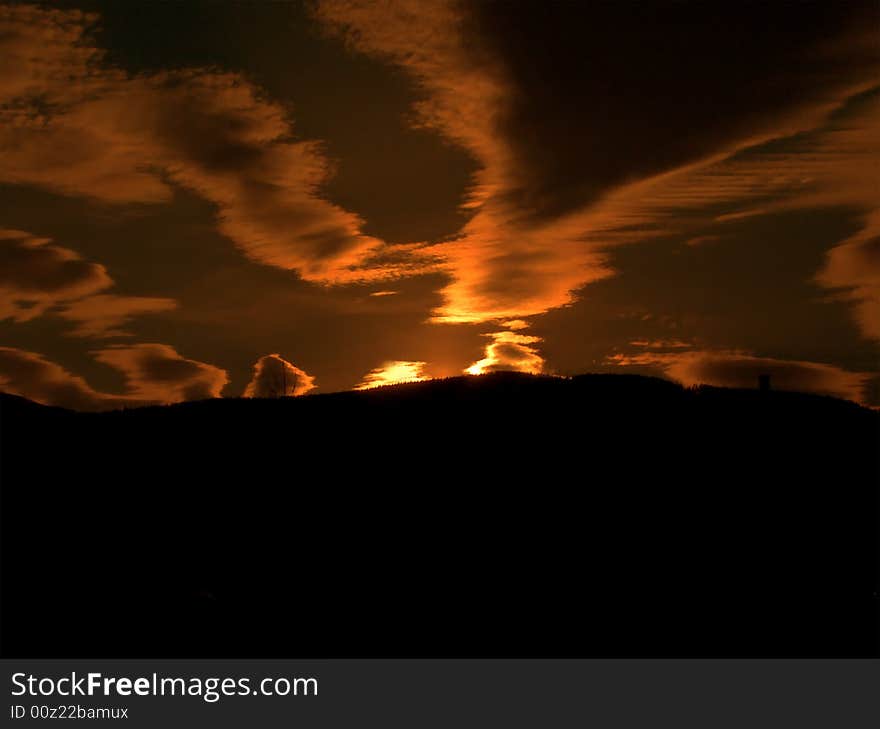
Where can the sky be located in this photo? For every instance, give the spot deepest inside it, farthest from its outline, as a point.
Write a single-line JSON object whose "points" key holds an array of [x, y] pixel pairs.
{"points": [[204, 199]]}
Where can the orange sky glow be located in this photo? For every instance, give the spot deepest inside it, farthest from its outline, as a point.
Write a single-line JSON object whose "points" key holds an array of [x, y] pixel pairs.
{"points": [[175, 213]]}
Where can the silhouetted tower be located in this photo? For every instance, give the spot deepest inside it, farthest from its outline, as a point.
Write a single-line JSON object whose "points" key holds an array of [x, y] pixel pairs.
{"points": [[764, 383]]}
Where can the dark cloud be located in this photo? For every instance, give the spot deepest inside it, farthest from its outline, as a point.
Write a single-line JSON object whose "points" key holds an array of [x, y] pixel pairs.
{"points": [[33, 376], [576, 111], [155, 374], [35, 274], [601, 94]]}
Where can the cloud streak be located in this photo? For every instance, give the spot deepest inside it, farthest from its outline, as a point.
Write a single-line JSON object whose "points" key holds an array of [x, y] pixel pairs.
{"points": [[741, 369], [106, 315]]}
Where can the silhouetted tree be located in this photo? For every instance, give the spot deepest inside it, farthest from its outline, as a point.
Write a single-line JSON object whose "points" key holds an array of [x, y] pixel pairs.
{"points": [[282, 383]]}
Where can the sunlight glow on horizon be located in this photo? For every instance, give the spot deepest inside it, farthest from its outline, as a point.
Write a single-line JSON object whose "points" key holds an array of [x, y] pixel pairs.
{"points": [[394, 372]]}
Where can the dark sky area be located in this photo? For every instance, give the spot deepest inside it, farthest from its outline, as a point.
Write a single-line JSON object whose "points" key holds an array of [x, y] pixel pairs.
{"points": [[198, 196]]}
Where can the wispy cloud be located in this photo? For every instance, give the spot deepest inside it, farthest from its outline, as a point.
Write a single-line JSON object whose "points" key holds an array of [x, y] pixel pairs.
{"points": [[106, 315], [832, 165], [71, 123], [562, 178]]}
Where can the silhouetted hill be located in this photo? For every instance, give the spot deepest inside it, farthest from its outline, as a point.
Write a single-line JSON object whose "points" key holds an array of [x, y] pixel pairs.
{"points": [[602, 515]]}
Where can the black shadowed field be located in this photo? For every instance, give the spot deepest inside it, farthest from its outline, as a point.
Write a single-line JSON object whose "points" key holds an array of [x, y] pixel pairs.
{"points": [[505, 515]]}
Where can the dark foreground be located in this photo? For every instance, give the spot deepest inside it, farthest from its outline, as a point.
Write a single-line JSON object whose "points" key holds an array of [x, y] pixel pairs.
{"points": [[497, 516]]}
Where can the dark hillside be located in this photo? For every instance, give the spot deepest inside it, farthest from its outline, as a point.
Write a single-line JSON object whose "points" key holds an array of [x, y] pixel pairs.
{"points": [[500, 515]]}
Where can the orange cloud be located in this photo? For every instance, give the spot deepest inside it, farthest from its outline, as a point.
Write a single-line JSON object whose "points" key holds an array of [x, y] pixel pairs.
{"points": [[509, 351], [660, 344], [534, 240], [501, 265], [57, 35], [274, 376], [851, 149], [830, 165], [740, 369], [392, 373], [155, 374], [543, 214], [853, 267], [33, 376], [99, 133], [72, 124]]}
